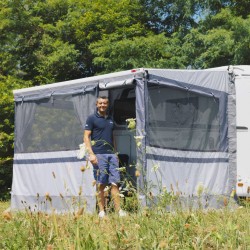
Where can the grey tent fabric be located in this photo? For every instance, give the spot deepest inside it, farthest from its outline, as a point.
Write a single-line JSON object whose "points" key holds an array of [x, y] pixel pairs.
{"points": [[83, 105], [54, 122], [232, 131], [184, 116], [141, 135], [49, 129], [185, 136], [24, 112], [187, 143], [189, 85], [48, 93], [57, 175]]}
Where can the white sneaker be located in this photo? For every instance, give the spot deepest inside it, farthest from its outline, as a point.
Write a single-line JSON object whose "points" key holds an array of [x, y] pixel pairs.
{"points": [[101, 214], [122, 213]]}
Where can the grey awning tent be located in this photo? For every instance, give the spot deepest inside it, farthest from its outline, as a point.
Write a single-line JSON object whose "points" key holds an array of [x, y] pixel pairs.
{"points": [[185, 120]]}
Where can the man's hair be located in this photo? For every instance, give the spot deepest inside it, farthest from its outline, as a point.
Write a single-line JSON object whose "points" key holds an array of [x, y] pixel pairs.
{"points": [[102, 97]]}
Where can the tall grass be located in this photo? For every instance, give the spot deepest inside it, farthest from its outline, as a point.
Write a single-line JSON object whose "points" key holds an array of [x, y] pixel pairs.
{"points": [[3, 206], [143, 228], [147, 229]]}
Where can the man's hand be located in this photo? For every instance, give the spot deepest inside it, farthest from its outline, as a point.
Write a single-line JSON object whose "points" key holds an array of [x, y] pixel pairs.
{"points": [[93, 159]]}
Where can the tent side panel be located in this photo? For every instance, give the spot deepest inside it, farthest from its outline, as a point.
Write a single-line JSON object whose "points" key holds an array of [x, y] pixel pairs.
{"points": [[189, 174], [191, 134], [57, 174], [48, 132]]}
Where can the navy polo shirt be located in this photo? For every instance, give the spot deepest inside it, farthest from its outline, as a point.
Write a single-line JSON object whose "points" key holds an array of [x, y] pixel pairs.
{"points": [[102, 133]]}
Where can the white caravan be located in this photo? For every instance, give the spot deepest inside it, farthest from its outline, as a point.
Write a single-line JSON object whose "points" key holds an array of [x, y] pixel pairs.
{"points": [[242, 83]]}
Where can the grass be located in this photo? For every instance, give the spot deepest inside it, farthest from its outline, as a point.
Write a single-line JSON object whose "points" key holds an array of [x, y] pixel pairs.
{"points": [[148, 229], [4, 205]]}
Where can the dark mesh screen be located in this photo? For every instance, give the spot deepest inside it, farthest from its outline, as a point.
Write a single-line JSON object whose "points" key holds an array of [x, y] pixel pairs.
{"points": [[55, 127], [123, 110], [180, 119]]}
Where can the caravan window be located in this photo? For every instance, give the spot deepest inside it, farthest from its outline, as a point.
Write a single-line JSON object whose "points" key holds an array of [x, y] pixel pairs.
{"points": [[184, 120]]}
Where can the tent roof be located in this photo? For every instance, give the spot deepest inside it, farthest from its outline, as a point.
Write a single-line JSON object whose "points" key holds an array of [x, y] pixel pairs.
{"points": [[78, 83], [239, 70], [203, 78]]}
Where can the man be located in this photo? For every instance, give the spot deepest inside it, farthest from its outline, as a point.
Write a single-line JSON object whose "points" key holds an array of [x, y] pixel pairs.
{"points": [[98, 139]]}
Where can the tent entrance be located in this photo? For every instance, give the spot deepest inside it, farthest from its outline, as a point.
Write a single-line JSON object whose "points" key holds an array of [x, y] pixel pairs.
{"points": [[122, 107]]}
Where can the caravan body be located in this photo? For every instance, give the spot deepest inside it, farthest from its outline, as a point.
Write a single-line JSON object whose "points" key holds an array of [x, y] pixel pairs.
{"points": [[184, 140], [242, 83]]}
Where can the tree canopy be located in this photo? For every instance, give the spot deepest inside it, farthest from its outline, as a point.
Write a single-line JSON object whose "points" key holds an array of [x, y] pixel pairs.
{"points": [[46, 41]]}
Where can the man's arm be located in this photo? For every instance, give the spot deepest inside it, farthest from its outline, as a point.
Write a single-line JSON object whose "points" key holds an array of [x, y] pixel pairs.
{"points": [[87, 141]]}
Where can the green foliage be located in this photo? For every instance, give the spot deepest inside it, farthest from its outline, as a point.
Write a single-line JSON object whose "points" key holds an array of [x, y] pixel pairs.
{"points": [[171, 16], [53, 57], [150, 51], [220, 40], [240, 8], [7, 131], [106, 22]]}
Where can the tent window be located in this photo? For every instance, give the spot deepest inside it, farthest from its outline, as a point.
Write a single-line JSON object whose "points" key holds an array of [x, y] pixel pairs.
{"points": [[124, 109], [122, 104], [184, 120], [55, 127]]}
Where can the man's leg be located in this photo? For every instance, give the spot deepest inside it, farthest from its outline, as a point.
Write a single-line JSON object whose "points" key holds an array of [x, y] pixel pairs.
{"points": [[101, 176], [114, 179], [101, 198], [115, 196]]}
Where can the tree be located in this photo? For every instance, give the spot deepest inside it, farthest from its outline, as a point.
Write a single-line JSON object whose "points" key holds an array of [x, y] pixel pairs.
{"points": [[47, 41], [155, 51], [7, 130], [220, 40], [170, 16], [241, 8], [103, 21]]}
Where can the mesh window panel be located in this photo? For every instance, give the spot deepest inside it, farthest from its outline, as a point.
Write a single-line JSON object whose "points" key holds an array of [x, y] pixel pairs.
{"points": [[55, 127], [123, 110], [183, 120], [122, 104]]}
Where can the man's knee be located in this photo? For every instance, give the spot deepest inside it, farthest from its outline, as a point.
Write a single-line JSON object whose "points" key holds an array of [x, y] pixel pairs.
{"points": [[102, 187]]}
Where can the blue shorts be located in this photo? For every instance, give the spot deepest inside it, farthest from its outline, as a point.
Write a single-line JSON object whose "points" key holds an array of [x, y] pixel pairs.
{"points": [[106, 172]]}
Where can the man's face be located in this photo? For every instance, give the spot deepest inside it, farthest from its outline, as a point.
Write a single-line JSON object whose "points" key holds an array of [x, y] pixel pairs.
{"points": [[102, 105]]}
